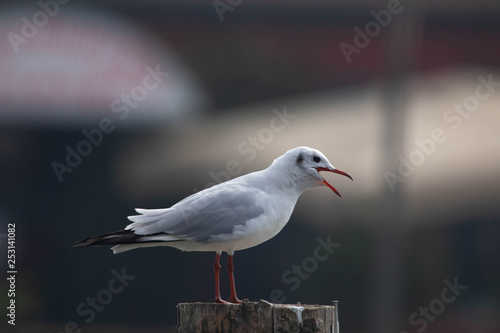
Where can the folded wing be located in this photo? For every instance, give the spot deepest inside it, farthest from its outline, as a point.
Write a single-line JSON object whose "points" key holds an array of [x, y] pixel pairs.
{"points": [[201, 216]]}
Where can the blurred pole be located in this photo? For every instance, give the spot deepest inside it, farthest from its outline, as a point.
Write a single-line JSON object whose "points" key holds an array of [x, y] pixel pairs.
{"points": [[388, 289]]}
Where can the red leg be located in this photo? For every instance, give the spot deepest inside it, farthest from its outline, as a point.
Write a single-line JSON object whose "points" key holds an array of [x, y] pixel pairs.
{"points": [[217, 266], [230, 269]]}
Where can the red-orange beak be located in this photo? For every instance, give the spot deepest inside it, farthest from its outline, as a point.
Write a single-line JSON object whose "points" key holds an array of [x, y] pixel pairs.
{"points": [[334, 171]]}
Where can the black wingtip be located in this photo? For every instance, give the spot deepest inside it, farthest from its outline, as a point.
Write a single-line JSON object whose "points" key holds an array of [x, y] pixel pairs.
{"points": [[112, 238], [86, 242], [115, 238], [79, 244]]}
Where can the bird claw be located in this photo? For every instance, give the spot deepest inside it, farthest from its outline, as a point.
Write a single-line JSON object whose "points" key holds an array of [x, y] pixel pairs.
{"points": [[220, 301]]}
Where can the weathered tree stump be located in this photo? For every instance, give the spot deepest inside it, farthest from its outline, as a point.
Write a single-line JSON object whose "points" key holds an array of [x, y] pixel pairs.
{"points": [[256, 317]]}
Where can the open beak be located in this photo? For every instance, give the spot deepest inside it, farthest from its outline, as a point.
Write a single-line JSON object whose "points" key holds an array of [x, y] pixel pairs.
{"points": [[334, 171]]}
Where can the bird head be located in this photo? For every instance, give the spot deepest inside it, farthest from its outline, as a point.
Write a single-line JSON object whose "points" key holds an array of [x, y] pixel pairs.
{"points": [[306, 164]]}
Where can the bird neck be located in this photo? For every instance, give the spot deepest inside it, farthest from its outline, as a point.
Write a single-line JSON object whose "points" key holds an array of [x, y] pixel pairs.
{"points": [[286, 179]]}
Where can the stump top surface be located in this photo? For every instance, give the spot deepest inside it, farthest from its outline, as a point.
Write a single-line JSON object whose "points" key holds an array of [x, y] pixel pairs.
{"points": [[247, 302]]}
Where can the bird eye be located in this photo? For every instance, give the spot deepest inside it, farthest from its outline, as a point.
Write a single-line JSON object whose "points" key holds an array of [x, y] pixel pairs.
{"points": [[316, 158]]}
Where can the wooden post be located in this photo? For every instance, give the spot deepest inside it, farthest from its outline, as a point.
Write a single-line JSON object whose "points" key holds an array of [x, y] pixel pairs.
{"points": [[259, 317]]}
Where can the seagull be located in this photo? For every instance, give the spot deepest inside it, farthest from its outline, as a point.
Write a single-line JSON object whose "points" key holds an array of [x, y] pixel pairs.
{"points": [[234, 215]]}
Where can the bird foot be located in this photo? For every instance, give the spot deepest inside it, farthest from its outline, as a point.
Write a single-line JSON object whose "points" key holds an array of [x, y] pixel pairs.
{"points": [[220, 301], [235, 300]]}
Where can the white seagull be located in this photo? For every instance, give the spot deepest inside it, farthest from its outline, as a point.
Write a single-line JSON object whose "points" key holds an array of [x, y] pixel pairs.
{"points": [[231, 216]]}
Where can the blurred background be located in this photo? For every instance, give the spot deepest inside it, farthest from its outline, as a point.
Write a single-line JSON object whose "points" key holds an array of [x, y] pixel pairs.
{"points": [[106, 106]]}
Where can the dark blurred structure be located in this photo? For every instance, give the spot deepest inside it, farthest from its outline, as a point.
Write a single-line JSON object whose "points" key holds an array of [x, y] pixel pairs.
{"points": [[107, 106]]}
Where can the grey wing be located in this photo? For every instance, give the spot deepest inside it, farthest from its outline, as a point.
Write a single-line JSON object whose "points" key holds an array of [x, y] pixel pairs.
{"points": [[208, 213]]}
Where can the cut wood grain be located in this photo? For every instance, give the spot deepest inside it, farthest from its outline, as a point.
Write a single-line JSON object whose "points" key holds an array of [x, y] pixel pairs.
{"points": [[256, 317]]}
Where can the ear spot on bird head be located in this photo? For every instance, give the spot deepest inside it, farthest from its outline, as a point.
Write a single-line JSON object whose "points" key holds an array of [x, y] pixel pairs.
{"points": [[300, 158]]}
